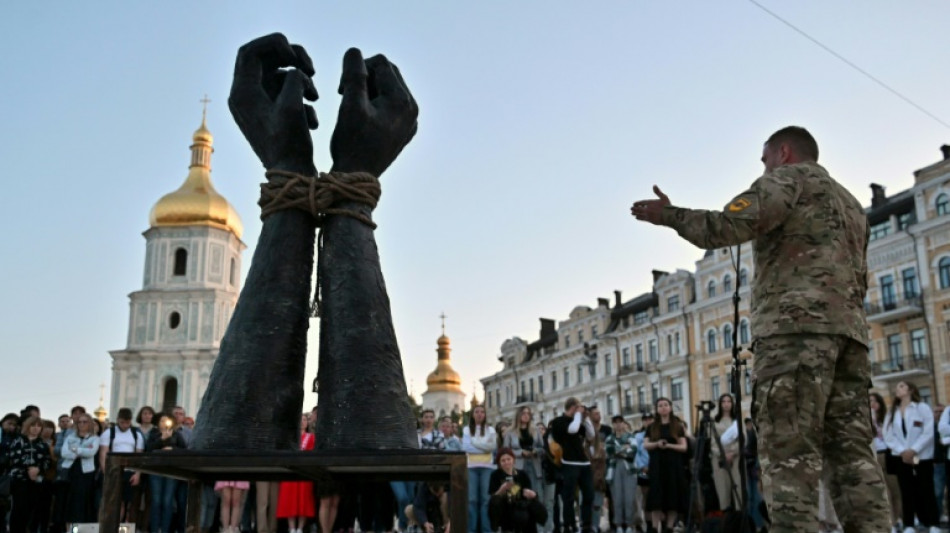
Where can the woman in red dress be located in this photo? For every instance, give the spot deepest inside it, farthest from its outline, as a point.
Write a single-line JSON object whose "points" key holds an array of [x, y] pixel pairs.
{"points": [[295, 502]]}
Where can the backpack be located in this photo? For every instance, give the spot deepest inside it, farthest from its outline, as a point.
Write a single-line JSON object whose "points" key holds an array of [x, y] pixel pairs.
{"points": [[135, 436]]}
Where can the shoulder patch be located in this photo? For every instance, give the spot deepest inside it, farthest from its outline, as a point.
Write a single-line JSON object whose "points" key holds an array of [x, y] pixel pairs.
{"points": [[739, 204]]}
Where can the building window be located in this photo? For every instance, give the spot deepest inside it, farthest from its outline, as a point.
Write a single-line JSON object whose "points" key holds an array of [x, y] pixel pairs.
{"points": [[233, 276], [498, 398], [567, 340], [580, 335], [640, 317], [656, 392], [727, 337], [881, 229], [905, 220], [610, 404], [174, 320], [531, 386], [625, 356], [640, 357], [726, 283], [888, 293], [918, 343], [894, 349], [711, 288], [676, 342], [540, 384], [181, 262], [944, 269], [744, 331], [676, 389], [524, 390], [654, 351], [641, 396], [553, 381], [909, 278], [673, 303], [714, 388], [593, 331], [628, 398], [942, 204], [711, 341], [608, 365], [669, 345], [567, 377], [488, 400], [580, 373], [743, 277]]}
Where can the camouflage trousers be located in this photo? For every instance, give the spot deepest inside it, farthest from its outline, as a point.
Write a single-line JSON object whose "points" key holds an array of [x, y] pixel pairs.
{"points": [[810, 403]]}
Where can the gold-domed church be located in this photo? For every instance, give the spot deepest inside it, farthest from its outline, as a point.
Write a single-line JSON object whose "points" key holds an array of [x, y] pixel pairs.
{"points": [[444, 385], [191, 284]]}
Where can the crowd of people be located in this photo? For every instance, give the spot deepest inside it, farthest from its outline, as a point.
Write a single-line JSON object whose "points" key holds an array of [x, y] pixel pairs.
{"points": [[572, 474]]}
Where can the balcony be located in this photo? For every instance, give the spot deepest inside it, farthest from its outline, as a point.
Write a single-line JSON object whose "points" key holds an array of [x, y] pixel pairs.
{"points": [[893, 309], [900, 368], [630, 369], [527, 398]]}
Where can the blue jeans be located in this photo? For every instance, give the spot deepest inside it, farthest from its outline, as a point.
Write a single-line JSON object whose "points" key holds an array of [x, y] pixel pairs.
{"points": [[404, 492], [478, 499], [940, 485], [163, 501]]}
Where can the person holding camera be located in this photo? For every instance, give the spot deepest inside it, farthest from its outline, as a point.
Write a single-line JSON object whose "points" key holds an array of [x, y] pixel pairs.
{"points": [[569, 431], [513, 505]]}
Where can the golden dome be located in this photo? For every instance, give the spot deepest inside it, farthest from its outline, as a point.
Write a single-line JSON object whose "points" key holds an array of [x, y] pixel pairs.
{"points": [[196, 202], [444, 377]]}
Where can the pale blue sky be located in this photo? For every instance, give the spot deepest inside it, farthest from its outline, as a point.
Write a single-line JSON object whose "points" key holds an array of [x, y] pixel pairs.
{"points": [[540, 123]]}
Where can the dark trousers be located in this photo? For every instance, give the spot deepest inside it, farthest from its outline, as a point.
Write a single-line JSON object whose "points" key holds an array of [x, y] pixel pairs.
{"points": [[917, 492], [60, 494], [26, 498], [578, 477]]}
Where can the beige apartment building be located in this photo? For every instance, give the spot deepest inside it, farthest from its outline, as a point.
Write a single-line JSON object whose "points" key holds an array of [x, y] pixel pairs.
{"points": [[676, 341]]}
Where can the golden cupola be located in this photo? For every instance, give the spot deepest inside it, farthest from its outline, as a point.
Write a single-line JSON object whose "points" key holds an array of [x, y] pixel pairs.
{"points": [[444, 377], [196, 202]]}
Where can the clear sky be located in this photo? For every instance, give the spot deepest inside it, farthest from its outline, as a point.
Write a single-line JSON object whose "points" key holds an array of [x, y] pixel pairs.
{"points": [[540, 123]]}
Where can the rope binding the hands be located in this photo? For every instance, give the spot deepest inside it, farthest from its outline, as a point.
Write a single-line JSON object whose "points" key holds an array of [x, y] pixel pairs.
{"points": [[316, 195]]}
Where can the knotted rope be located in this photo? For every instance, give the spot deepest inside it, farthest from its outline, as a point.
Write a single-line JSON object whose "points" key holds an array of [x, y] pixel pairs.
{"points": [[316, 195]]}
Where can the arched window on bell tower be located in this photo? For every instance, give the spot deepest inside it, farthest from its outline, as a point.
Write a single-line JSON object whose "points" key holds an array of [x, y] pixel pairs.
{"points": [[181, 262], [170, 396]]}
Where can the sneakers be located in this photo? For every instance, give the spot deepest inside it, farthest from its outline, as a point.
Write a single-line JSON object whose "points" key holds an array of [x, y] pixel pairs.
{"points": [[909, 530], [934, 529]]}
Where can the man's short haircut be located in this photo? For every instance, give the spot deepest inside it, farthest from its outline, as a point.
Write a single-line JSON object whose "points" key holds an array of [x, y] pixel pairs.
{"points": [[445, 418], [426, 410], [78, 409], [617, 418], [571, 403], [61, 417], [798, 139], [124, 414]]}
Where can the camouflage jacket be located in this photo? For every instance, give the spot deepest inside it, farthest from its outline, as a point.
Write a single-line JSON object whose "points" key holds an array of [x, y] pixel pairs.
{"points": [[810, 239]]}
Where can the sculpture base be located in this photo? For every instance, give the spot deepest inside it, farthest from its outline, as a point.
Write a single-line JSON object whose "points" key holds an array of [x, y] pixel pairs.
{"points": [[200, 467]]}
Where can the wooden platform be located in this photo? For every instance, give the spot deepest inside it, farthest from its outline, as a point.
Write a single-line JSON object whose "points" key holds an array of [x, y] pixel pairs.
{"points": [[199, 467]]}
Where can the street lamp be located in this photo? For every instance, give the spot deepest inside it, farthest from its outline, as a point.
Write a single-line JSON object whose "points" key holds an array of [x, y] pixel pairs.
{"points": [[590, 352]]}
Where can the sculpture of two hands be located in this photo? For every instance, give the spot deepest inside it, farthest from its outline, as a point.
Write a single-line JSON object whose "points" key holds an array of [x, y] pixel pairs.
{"points": [[255, 392]]}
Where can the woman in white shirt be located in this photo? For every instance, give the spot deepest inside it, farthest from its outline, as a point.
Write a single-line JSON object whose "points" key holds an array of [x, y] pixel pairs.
{"points": [[909, 433], [479, 441]]}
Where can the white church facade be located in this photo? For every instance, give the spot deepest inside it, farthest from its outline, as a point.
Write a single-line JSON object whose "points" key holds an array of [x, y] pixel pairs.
{"points": [[190, 287]]}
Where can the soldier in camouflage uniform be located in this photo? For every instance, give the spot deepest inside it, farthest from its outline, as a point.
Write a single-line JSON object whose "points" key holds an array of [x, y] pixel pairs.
{"points": [[811, 368]]}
